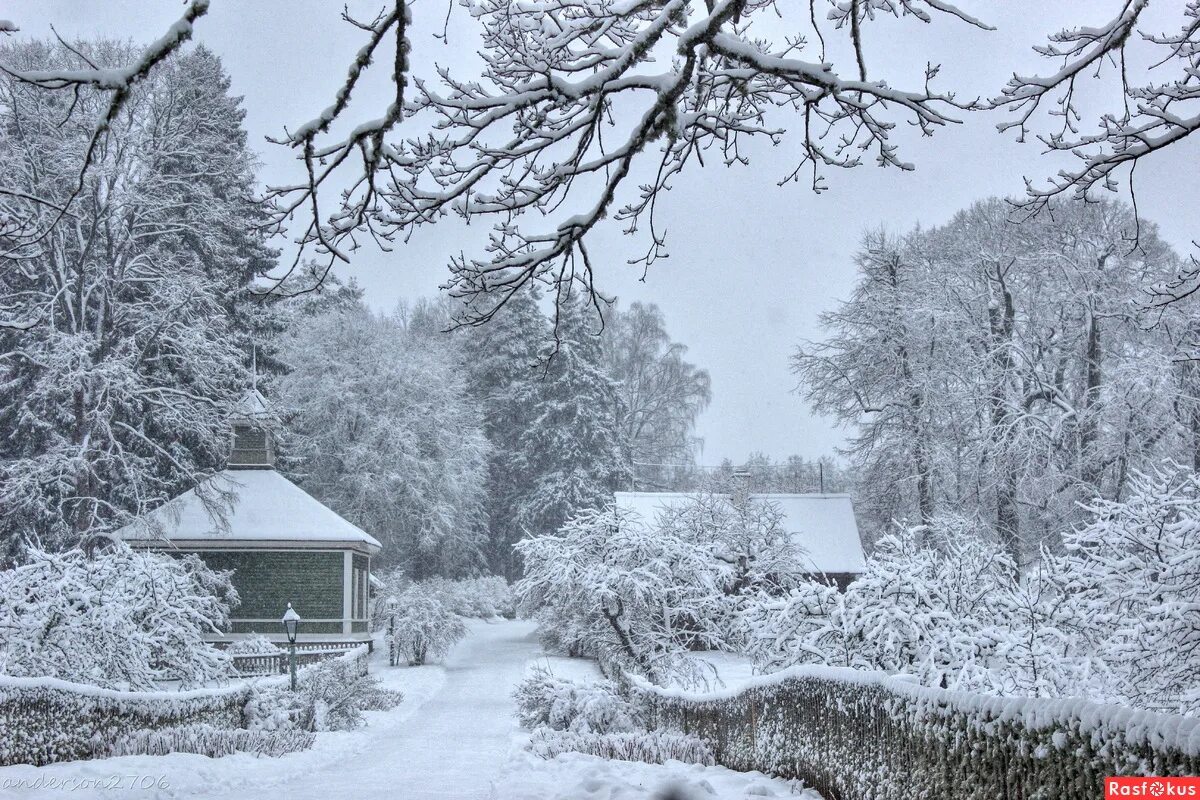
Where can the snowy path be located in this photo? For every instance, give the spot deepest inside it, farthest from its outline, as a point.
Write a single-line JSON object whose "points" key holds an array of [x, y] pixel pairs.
{"points": [[455, 744]]}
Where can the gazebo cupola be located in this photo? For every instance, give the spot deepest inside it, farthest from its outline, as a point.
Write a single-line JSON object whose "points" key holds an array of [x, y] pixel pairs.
{"points": [[253, 442]]}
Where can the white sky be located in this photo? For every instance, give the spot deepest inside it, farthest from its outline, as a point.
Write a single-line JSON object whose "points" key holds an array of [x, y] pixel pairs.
{"points": [[752, 264]]}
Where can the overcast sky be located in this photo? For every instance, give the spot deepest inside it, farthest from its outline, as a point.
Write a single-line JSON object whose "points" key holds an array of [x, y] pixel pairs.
{"points": [[752, 264]]}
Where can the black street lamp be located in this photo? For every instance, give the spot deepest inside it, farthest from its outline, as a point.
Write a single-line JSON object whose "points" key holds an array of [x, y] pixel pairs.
{"points": [[291, 621], [391, 607]]}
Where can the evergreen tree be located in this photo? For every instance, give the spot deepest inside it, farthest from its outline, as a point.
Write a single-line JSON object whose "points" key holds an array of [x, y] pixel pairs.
{"points": [[571, 448], [503, 361]]}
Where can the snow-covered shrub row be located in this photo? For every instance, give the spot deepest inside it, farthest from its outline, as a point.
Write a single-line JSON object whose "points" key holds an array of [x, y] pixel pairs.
{"points": [[481, 598], [867, 735], [652, 747], [330, 696], [204, 740], [43, 720], [118, 618], [485, 597], [545, 700], [254, 645], [1113, 617], [645, 592], [425, 628]]}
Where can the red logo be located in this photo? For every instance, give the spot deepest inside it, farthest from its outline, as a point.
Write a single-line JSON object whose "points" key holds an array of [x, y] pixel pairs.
{"points": [[1151, 787]]}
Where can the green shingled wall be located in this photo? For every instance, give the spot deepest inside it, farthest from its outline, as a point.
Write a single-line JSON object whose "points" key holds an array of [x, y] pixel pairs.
{"points": [[268, 581]]}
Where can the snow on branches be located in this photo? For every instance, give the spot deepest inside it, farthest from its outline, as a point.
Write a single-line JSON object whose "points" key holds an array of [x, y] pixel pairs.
{"points": [[1114, 617], [645, 593], [120, 619]]}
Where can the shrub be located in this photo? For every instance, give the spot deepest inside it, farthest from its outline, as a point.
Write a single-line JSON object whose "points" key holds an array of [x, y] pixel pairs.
{"points": [[481, 598], [204, 740], [119, 619], [544, 700], [652, 747], [256, 645], [425, 628], [329, 696]]}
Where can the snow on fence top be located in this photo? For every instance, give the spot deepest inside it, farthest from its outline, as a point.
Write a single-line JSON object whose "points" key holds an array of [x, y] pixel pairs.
{"points": [[823, 524], [265, 506], [869, 735], [1034, 713]]}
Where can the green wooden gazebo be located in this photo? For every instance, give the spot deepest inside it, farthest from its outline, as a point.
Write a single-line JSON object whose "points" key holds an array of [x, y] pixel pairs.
{"points": [[281, 543]]}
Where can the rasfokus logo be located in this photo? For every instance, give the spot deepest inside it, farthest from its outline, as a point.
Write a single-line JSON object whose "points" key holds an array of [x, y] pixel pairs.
{"points": [[1151, 786]]}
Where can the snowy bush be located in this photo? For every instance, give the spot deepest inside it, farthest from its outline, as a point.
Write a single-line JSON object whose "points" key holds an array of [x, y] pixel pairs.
{"points": [[854, 733], [1129, 583], [425, 627], [330, 696], [932, 602], [204, 740], [544, 700], [652, 747], [480, 598], [255, 645], [43, 720], [643, 595], [120, 618]]}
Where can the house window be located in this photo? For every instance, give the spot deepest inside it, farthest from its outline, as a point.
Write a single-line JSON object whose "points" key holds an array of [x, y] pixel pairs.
{"points": [[358, 593]]}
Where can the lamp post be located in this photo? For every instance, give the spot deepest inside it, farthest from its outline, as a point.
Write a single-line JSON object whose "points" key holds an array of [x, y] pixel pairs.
{"points": [[291, 621], [391, 607]]}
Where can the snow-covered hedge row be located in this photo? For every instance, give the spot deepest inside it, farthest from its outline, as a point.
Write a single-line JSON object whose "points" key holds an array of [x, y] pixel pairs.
{"points": [[870, 736], [651, 747], [205, 740], [43, 720]]}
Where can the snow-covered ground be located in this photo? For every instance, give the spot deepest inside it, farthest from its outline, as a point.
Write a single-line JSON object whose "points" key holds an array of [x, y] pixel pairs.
{"points": [[454, 737]]}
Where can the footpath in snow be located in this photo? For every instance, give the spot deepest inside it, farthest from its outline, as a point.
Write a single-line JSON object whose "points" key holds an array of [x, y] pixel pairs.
{"points": [[454, 737]]}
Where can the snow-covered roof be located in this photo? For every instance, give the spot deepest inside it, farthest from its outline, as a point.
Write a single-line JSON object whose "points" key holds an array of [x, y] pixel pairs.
{"points": [[266, 507], [648, 505], [252, 406], [823, 524]]}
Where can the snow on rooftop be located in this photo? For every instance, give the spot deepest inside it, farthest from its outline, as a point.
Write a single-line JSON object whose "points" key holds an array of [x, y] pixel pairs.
{"points": [[265, 507], [823, 524], [252, 406]]}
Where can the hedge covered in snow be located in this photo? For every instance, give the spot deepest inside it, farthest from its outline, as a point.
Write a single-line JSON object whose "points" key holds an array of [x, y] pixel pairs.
{"points": [[869, 736], [43, 720], [205, 740], [651, 747]]}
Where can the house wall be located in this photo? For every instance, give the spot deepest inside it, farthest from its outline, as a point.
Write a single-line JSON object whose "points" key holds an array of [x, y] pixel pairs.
{"points": [[266, 581]]}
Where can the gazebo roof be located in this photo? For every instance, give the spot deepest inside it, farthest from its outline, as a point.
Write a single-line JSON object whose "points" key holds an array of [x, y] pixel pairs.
{"points": [[265, 509]]}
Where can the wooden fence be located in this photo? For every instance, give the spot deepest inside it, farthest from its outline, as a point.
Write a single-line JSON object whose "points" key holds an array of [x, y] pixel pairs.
{"points": [[856, 735], [277, 663]]}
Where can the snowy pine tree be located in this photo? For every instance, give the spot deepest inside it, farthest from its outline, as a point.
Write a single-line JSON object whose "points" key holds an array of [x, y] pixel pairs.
{"points": [[571, 446]]}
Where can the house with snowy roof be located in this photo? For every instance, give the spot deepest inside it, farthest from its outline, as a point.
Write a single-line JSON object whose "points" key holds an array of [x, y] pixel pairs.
{"points": [[822, 524], [282, 545]]}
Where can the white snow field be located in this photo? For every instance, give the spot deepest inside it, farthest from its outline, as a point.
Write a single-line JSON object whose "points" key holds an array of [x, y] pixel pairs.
{"points": [[454, 737]]}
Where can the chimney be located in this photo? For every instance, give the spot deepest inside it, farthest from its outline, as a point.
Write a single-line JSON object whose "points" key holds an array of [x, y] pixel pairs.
{"points": [[741, 487]]}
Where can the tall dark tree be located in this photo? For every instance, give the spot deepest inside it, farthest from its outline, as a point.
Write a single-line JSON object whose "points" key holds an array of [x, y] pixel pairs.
{"points": [[504, 368], [124, 323], [571, 448]]}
